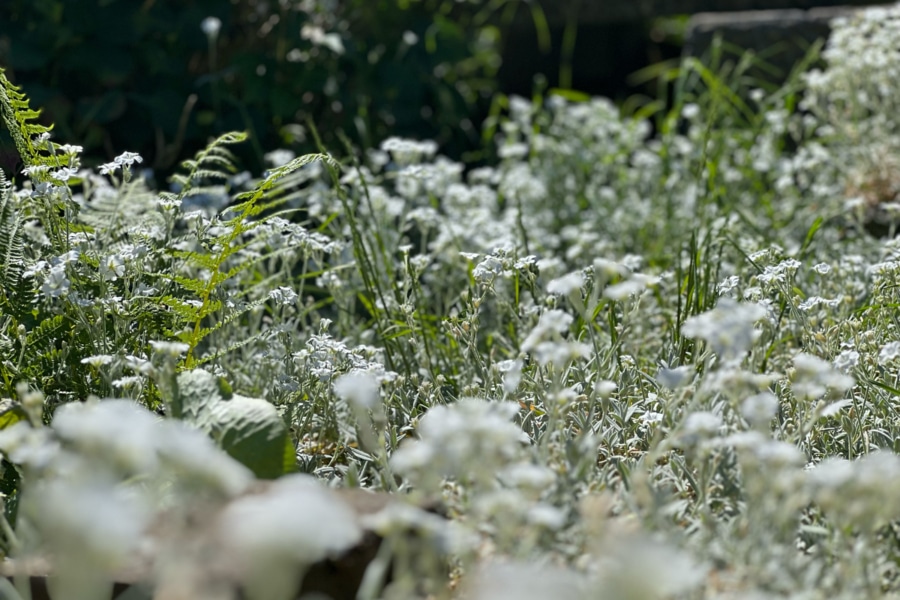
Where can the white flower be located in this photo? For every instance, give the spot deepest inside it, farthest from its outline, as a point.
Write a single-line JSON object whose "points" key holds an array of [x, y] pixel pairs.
{"points": [[566, 284], [272, 537], [124, 160], [70, 149], [728, 328], [610, 268], [112, 267], [211, 26], [35, 169], [92, 524], [889, 353], [690, 111], [520, 581], [359, 388], [68, 258], [760, 408], [702, 424], [560, 353], [198, 461], [605, 388], [635, 285], [117, 432], [317, 36], [834, 408], [405, 151], [98, 360], [528, 476], [815, 377], [175, 349], [675, 378], [455, 437], [776, 452], [487, 270], [24, 445], [56, 284], [644, 567], [64, 173], [846, 360], [284, 296], [279, 158], [546, 516], [550, 325], [651, 418], [512, 374], [410, 38], [859, 493], [728, 285]]}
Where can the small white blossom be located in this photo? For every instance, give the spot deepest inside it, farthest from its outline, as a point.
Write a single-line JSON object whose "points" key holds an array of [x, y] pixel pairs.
{"points": [[675, 378], [889, 353], [846, 360], [361, 389], [112, 267], [701, 423], [211, 26], [815, 377], [760, 409], [272, 537], [284, 296], [632, 286], [175, 349], [728, 285], [728, 328], [519, 581], [56, 284], [566, 284]]}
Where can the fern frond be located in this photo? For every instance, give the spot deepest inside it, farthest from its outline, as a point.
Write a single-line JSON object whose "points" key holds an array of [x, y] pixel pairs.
{"points": [[198, 259], [16, 295], [207, 173], [195, 286], [228, 349], [203, 332], [187, 311], [215, 162], [30, 137], [43, 337]]}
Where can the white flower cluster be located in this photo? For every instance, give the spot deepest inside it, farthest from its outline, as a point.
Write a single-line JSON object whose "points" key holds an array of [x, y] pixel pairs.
{"points": [[729, 328]]}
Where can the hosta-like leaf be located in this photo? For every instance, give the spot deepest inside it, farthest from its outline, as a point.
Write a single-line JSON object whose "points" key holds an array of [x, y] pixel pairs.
{"points": [[249, 429], [253, 433]]}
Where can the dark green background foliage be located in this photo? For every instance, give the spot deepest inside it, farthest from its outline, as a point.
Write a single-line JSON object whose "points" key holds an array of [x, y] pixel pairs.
{"points": [[140, 75]]}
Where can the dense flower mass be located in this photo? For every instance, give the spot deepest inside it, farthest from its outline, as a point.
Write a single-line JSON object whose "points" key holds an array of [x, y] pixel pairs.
{"points": [[624, 359]]}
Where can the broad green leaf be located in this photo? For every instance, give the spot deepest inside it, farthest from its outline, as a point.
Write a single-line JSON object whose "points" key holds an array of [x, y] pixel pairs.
{"points": [[250, 430], [197, 391], [253, 433], [11, 413]]}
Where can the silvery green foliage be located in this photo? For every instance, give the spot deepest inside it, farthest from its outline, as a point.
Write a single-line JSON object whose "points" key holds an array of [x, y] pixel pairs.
{"points": [[624, 365]]}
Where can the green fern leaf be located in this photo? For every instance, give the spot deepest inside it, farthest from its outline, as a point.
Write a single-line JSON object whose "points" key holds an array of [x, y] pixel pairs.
{"points": [[30, 137]]}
